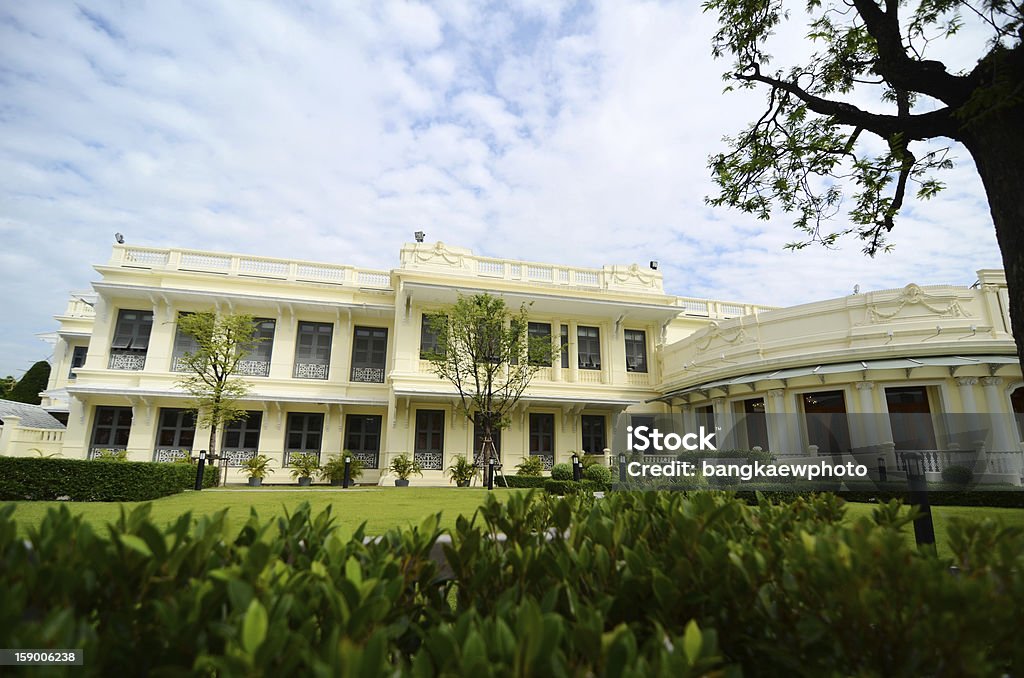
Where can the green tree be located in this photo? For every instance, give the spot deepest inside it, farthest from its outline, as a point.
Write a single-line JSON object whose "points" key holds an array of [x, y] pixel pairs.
{"points": [[810, 139], [485, 352], [31, 384], [6, 384], [222, 342]]}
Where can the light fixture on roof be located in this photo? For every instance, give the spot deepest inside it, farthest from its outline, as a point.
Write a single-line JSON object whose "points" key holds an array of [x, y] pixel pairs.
{"points": [[654, 265], [119, 238], [419, 235]]}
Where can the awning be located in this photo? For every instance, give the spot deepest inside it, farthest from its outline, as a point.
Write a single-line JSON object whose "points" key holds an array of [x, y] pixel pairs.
{"points": [[841, 368]]}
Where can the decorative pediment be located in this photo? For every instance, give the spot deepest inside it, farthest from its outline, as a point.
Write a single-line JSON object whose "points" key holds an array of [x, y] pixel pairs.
{"points": [[913, 301], [713, 333]]}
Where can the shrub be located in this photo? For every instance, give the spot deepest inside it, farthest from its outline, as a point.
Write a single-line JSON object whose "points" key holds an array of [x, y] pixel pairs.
{"points": [[639, 583], [257, 466], [571, 487], [46, 479], [588, 460], [304, 464], [561, 471], [531, 466], [957, 475], [601, 475], [462, 470], [404, 466], [333, 469], [526, 481]]}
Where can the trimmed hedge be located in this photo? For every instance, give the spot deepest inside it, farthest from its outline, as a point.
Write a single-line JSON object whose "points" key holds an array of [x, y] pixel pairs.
{"points": [[639, 583], [526, 481], [571, 487], [49, 479]]}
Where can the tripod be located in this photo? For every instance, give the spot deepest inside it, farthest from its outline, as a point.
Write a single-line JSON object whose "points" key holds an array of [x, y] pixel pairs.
{"points": [[488, 452]]}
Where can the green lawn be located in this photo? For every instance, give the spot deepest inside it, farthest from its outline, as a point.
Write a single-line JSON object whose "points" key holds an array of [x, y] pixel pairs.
{"points": [[380, 507], [385, 507]]}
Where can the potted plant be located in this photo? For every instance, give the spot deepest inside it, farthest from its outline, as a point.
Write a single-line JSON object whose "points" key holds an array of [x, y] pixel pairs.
{"points": [[304, 465], [403, 467], [461, 472], [333, 469], [257, 467]]}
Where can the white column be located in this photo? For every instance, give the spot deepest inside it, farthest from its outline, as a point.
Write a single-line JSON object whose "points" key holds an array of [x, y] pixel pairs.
{"points": [[1004, 437], [724, 424], [574, 353], [966, 385], [689, 418], [775, 412], [865, 405]]}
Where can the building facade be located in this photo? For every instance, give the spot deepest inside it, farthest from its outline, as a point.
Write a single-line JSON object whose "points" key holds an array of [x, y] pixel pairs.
{"points": [[340, 365]]}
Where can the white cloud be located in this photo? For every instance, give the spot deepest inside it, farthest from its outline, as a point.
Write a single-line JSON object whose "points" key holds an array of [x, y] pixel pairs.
{"points": [[547, 131]]}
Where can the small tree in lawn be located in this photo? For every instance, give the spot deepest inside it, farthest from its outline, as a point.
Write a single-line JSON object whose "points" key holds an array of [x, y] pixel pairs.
{"points": [[222, 342], [484, 350]]}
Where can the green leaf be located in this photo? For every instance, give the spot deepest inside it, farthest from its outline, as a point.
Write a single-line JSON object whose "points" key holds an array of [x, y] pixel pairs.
{"points": [[254, 627], [692, 641], [136, 544]]}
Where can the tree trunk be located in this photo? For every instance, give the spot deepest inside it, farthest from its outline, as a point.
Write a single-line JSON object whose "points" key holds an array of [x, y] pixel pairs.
{"points": [[997, 145]]}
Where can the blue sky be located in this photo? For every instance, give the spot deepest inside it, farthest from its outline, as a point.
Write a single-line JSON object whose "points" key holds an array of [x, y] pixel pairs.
{"points": [[568, 132]]}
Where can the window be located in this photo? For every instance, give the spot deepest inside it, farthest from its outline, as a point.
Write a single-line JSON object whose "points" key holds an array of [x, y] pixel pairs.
{"points": [[589, 344], [539, 346], [636, 351], [755, 424], [542, 434], [362, 438], [313, 350], [638, 420], [369, 354], [428, 335], [827, 426], [705, 417], [257, 363], [593, 433], [910, 417], [305, 430], [131, 340], [478, 440], [175, 434], [77, 360], [183, 343], [428, 448], [564, 345], [242, 438], [110, 429]]}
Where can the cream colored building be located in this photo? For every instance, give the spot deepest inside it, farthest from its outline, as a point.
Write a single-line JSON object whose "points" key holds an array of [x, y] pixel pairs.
{"points": [[340, 367]]}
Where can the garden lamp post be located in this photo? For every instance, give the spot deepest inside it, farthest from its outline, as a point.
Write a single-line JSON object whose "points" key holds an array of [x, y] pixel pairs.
{"points": [[622, 467], [348, 471], [924, 528], [200, 469], [576, 474]]}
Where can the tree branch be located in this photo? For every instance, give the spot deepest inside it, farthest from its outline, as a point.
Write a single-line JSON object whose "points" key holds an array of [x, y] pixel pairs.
{"points": [[925, 76], [938, 123]]}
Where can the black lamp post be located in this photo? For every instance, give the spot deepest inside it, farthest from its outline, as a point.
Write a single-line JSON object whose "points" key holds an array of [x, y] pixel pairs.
{"points": [[622, 467], [490, 473], [924, 528], [348, 471], [200, 469], [576, 473]]}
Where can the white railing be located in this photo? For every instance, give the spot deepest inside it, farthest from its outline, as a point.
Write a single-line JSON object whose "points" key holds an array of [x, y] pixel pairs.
{"points": [[30, 435], [247, 266], [935, 461]]}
